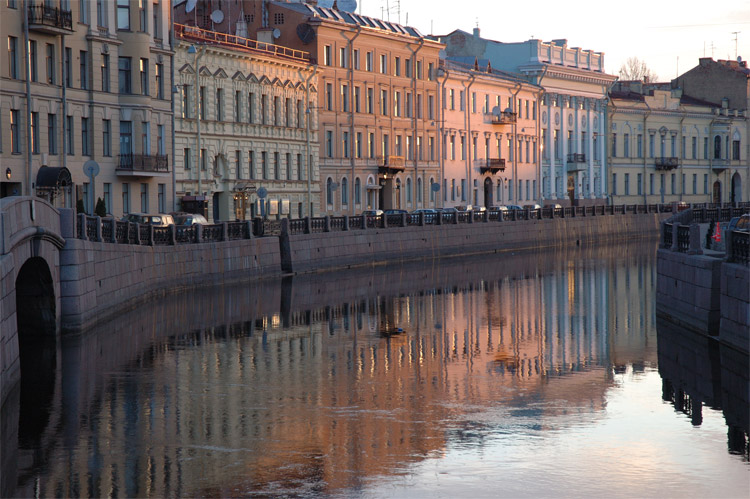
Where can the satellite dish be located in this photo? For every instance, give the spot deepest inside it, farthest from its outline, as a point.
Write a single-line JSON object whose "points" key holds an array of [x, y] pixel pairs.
{"points": [[347, 5], [497, 111], [435, 187], [276, 32], [217, 16], [262, 192], [190, 5], [306, 33], [91, 168]]}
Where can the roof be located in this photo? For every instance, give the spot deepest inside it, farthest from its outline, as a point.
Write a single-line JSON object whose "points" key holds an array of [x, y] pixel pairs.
{"points": [[483, 66], [316, 11]]}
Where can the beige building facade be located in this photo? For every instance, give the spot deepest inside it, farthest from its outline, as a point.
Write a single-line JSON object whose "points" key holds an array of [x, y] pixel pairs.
{"points": [[258, 151], [85, 112], [665, 146], [490, 133], [378, 99]]}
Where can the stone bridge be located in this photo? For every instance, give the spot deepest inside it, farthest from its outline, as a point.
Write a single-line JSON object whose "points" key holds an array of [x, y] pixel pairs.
{"points": [[30, 244]]}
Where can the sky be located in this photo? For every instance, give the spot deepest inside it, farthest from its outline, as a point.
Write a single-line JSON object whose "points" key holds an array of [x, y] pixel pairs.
{"points": [[669, 36]]}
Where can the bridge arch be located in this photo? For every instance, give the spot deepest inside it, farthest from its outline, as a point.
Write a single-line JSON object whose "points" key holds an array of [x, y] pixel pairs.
{"points": [[30, 243]]}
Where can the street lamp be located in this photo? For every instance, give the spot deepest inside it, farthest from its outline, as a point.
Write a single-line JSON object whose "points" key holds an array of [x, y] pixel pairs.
{"points": [[197, 55]]}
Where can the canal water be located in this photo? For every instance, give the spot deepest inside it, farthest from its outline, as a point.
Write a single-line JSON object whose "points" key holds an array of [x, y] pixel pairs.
{"points": [[509, 375]]}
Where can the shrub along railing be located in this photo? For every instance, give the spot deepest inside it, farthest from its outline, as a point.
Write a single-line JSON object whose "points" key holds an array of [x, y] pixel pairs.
{"points": [[110, 230]]}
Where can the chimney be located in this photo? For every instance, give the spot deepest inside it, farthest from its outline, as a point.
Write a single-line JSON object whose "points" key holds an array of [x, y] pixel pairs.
{"points": [[476, 32]]}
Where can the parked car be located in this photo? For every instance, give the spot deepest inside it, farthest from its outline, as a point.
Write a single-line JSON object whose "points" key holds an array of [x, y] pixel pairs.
{"points": [[451, 209], [424, 210], [500, 207], [553, 205], [189, 219], [532, 206], [373, 213], [741, 224], [395, 212], [160, 220], [514, 207]]}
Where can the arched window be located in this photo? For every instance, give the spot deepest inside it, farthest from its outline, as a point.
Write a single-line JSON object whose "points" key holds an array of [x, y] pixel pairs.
{"points": [[419, 190], [717, 147], [344, 192], [329, 191], [408, 190], [432, 193], [499, 196], [357, 191]]}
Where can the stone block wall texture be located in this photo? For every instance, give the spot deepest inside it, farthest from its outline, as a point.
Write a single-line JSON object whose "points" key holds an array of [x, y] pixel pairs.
{"points": [[330, 250], [99, 280], [687, 290], [27, 228], [735, 305]]}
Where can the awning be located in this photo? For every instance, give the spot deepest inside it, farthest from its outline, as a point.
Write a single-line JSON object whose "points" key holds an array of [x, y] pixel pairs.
{"points": [[53, 177]]}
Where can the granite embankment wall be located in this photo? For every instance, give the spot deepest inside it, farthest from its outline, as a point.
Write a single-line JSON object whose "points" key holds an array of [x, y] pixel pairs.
{"points": [[734, 302], [99, 280], [328, 250]]}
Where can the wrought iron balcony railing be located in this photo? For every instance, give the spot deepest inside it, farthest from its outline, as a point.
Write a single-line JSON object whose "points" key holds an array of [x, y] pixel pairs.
{"points": [[48, 19], [666, 163], [145, 163], [493, 165], [576, 157], [503, 118]]}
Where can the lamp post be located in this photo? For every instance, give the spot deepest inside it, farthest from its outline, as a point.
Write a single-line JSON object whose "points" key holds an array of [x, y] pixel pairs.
{"points": [[197, 55]]}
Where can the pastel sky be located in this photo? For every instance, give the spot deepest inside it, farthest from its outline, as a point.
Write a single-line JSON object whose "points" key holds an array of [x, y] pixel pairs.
{"points": [[668, 36]]}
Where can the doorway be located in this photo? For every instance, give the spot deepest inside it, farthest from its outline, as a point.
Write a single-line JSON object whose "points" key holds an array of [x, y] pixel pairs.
{"points": [[487, 192], [717, 192]]}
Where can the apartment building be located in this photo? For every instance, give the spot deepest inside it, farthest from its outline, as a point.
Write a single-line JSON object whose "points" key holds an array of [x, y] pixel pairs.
{"points": [[85, 111], [490, 131], [665, 146], [247, 141], [572, 109], [378, 94]]}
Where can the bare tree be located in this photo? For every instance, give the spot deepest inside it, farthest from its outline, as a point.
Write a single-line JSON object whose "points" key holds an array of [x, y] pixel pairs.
{"points": [[635, 69]]}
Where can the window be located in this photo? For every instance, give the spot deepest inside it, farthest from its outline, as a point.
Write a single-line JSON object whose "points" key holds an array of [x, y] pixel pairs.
{"points": [[329, 143], [144, 198], [344, 192], [105, 72], [70, 135], [288, 166], [185, 111], [278, 18], [250, 107], [651, 184], [431, 107], [160, 144], [345, 98], [126, 138], [204, 160], [369, 105], [13, 57], [329, 191], [357, 191], [101, 13], [52, 133], [409, 105], [639, 145], [735, 150], [159, 81], [124, 75], [357, 91], [384, 102], [146, 137], [161, 197], [329, 97], [408, 190], [397, 104], [85, 148], [431, 71], [186, 157], [694, 147], [463, 189], [342, 57], [83, 11], [251, 165], [144, 77], [358, 145], [695, 183], [717, 147], [107, 197], [383, 63], [673, 189], [684, 147], [142, 15], [461, 100], [220, 104], [68, 67], [627, 184], [125, 198], [84, 69], [355, 59], [614, 184], [34, 133], [157, 21], [407, 68], [202, 103], [123, 14], [705, 148], [651, 145], [368, 61], [673, 147], [705, 183], [327, 55], [276, 166], [32, 60], [50, 63], [614, 145], [626, 145], [397, 66], [371, 145], [473, 102], [238, 163]]}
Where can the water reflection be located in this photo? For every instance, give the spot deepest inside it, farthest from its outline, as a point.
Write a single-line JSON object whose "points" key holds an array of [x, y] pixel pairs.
{"points": [[348, 383]]}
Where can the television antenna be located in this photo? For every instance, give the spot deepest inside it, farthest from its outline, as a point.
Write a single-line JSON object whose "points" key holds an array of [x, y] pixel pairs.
{"points": [[735, 33]]}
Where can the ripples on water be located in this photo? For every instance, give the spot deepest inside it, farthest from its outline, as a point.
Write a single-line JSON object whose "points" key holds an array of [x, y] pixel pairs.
{"points": [[513, 375]]}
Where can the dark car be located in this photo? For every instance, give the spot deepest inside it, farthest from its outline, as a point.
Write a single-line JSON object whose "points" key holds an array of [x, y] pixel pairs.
{"points": [[741, 224], [160, 220], [372, 213], [395, 212], [189, 219]]}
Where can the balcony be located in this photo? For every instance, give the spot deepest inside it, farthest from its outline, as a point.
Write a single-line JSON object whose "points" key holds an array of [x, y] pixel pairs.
{"points": [[391, 164], [50, 20], [576, 162], [492, 166], [502, 118], [143, 165], [666, 163], [718, 165]]}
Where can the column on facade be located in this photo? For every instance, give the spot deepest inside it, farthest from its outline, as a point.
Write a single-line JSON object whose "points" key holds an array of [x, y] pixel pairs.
{"points": [[551, 148], [602, 192], [577, 136], [590, 149], [563, 132]]}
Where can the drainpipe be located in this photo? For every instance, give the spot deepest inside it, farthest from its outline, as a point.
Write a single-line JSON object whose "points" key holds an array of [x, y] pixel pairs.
{"points": [[350, 42], [198, 164], [172, 89], [29, 176], [682, 175], [307, 140], [64, 120], [414, 116], [467, 121]]}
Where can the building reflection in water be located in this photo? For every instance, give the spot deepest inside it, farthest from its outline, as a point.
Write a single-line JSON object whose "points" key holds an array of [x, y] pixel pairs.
{"points": [[323, 383]]}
